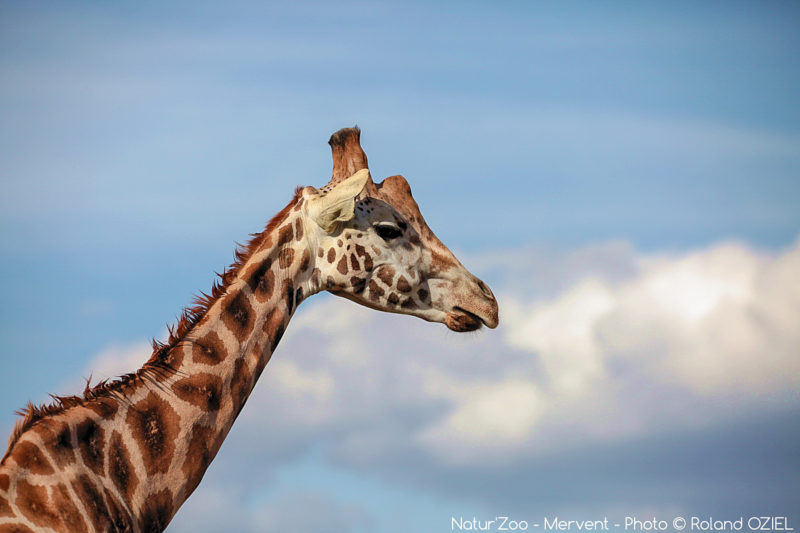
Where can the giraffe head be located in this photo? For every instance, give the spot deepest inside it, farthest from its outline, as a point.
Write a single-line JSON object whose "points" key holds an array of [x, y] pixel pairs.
{"points": [[373, 246]]}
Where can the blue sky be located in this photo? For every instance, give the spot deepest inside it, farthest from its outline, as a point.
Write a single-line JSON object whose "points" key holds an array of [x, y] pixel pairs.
{"points": [[581, 157]]}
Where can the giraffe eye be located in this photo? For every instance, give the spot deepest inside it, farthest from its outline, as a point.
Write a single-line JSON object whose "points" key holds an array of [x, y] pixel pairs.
{"points": [[387, 232]]}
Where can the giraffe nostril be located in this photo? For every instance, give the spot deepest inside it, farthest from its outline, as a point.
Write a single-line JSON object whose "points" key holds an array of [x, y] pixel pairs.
{"points": [[485, 289]]}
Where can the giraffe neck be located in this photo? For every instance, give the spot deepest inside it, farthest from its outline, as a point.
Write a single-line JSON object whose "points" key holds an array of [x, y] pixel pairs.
{"points": [[222, 357], [133, 457]]}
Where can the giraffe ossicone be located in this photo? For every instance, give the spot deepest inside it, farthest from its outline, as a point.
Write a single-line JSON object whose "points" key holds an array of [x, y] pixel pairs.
{"points": [[126, 454]]}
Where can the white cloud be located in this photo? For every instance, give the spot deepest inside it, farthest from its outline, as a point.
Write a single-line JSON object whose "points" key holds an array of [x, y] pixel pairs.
{"points": [[712, 320], [491, 417], [562, 333], [628, 345]]}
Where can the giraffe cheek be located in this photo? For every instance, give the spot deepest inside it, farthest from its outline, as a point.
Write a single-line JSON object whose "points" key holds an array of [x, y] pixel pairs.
{"points": [[403, 285], [358, 284], [375, 291], [342, 265]]}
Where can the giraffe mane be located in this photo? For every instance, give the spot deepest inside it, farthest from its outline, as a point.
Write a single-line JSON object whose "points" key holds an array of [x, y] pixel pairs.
{"points": [[156, 366]]}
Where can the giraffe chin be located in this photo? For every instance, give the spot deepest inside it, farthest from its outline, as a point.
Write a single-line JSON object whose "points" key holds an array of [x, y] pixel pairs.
{"points": [[462, 320]]}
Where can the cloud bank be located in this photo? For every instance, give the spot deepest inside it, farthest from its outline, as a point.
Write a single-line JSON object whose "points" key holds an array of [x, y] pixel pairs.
{"points": [[599, 347]]}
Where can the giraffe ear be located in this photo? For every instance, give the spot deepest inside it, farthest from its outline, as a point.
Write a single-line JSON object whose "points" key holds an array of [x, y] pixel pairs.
{"points": [[337, 205]]}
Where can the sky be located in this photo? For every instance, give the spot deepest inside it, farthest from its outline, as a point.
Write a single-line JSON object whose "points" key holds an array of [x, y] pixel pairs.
{"points": [[625, 176]]}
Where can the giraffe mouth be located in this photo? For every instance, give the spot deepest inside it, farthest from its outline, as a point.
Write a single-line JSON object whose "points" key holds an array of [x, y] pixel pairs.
{"points": [[461, 320]]}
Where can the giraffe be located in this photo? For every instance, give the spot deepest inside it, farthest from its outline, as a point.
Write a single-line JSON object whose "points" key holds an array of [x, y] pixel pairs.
{"points": [[126, 454]]}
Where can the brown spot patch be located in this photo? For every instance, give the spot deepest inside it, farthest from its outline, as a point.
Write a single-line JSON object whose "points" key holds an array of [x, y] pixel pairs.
{"points": [[339, 243], [14, 528], [260, 279], [238, 315], [266, 284], [174, 356], [298, 229], [120, 468], [403, 285], [208, 349], [285, 258], [409, 304], [375, 291], [202, 390], [288, 296], [118, 514], [5, 507], [386, 275], [394, 299], [331, 255], [362, 252], [105, 407], [90, 443], [423, 294], [33, 502], [274, 328], [354, 262], [28, 455], [358, 284], [154, 426], [306, 262], [5, 482], [198, 456], [157, 511], [92, 501], [320, 252], [285, 234], [66, 510], [240, 385], [342, 266], [57, 438]]}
